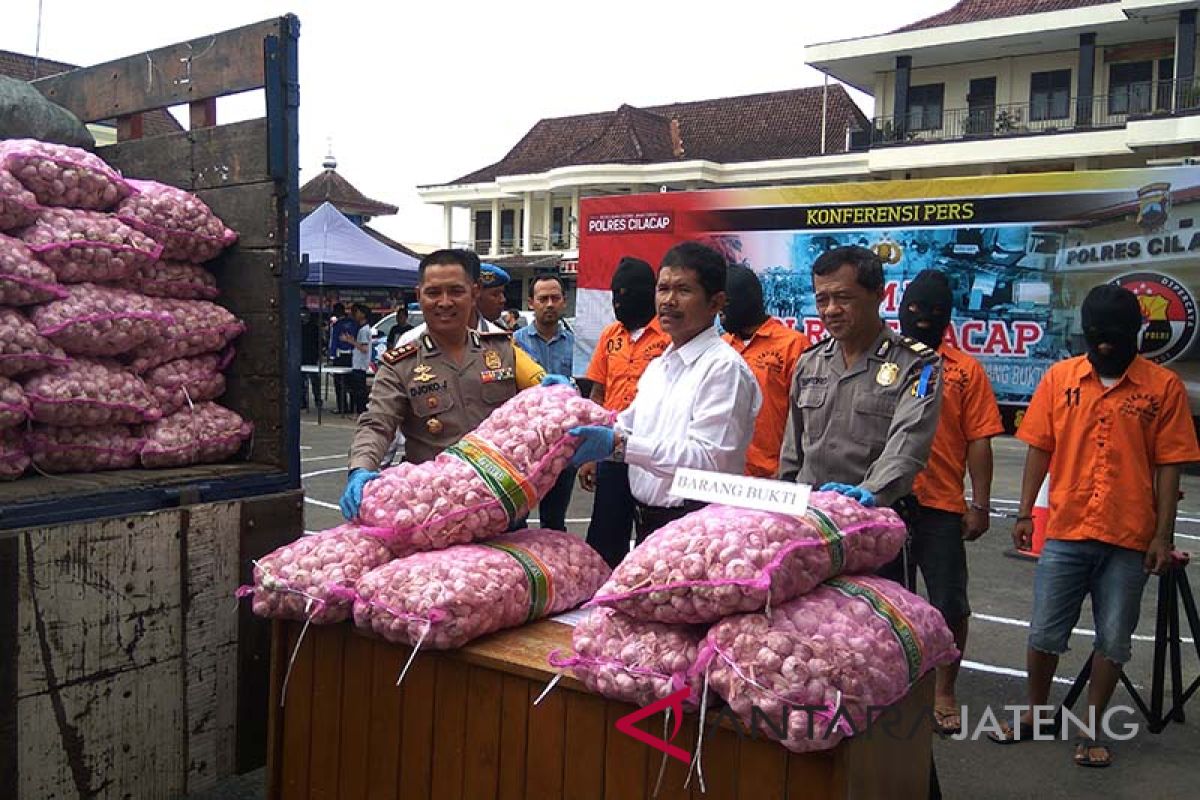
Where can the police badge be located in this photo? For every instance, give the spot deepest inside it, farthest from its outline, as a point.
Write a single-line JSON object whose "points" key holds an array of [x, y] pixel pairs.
{"points": [[491, 359], [888, 373]]}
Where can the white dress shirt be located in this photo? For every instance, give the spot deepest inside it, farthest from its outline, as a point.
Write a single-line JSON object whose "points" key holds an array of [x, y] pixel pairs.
{"points": [[695, 407], [482, 325]]}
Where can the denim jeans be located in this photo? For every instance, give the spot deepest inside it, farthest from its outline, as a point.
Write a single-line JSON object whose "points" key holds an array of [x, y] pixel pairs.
{"points": [[1069, 570]]}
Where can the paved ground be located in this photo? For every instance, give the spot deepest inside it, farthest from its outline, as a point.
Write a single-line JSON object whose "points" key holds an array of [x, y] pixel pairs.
{"points": [[1158, 766]]}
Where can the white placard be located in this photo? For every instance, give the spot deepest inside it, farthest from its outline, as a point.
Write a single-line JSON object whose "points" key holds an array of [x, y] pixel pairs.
{"points": [[742, 491]]}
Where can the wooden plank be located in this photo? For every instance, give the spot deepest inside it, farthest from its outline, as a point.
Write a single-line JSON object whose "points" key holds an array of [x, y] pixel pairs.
{"points": [[275, 717], [482, 774], [416, 730], [811, 775], [354, 764], [546, 739], [249, 279], [383, 748], [211, 66], [721, 770], [297, 710], [8, 658], [894, 760], [513, 737], [252, 208], [210, 640], [675, 774], [762, 765], [625, 758], [328, 671], [227, 155], [449, 728], [267, 522], [583, 772]]}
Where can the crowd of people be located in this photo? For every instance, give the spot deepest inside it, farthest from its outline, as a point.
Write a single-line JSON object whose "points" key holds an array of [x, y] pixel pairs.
{"points": [[899, 419]]}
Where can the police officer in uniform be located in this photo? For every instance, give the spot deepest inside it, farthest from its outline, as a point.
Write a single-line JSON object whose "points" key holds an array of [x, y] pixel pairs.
{"points": [[865, 401], [441, 386]]}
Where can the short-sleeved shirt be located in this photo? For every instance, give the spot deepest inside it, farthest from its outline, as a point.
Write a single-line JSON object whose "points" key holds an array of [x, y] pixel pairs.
{"points": [[555, 355], [969, 412], [361, 359], [1105, 445], [771, 353], [620, 359]]}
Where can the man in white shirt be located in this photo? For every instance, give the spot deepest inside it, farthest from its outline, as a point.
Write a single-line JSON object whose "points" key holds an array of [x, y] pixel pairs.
{"points": [[696, 403], [360, 360]]}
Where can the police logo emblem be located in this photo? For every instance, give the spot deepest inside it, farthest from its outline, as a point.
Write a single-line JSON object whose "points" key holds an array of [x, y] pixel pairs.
{"points": [[1154, 206], [1169, 312], [492, 359], [888, 373], [424, 374]]}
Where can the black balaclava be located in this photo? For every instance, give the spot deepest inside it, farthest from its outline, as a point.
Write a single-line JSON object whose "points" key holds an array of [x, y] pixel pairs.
{"points": [[633, 293], [744, 309], [930, 293], [1111, 315]]}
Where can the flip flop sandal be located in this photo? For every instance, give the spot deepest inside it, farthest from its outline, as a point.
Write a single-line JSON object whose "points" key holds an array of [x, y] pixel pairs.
{"points": [[1083, 754], [1009, 735], [940, 716]]}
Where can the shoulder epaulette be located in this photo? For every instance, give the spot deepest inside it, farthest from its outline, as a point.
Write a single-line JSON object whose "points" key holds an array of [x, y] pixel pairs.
{"points": [[920, 348], [493, 334], [818, 343], [398, 354]]}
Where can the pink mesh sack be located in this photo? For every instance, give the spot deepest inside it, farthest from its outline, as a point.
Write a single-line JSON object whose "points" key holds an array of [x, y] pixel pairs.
{"points": [[181, 221], [13, 458], [448, 597], [87, 392], [853, 644], [24, 280], [478, 486], [100, 321], [294, 581], [638, 662], [204, 434], [54, 449], [88, 245], [174, 279], [59, 175], [22, 348], [197, 327], [722, 560], [18, 206], [196, 379], [14, 408]]}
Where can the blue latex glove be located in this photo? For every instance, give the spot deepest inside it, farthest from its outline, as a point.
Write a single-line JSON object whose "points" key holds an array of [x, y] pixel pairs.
{"points": [[595, 444], [840, 488], [556, 380], [352, 496], [858, 493]]}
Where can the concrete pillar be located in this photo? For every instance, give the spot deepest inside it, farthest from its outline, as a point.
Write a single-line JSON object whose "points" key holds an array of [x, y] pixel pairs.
{"points": [[448, 224], [574, 221], [471, 237], [1185, 59], [900, 96], [1085, 81], [527, 223], [494, 247], [547, 220]]}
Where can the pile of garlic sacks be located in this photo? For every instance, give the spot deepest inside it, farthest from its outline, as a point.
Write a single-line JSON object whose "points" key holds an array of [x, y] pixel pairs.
{"points": [[106, 318]]}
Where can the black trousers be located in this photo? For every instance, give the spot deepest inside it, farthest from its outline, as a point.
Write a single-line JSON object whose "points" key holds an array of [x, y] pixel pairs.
{"points": [[358, 391], [611, 527], [648, 519], [341, 385]]}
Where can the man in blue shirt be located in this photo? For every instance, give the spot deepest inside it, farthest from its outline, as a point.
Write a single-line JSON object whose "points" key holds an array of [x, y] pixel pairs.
{"points": [[341, 354], [550, 343]]}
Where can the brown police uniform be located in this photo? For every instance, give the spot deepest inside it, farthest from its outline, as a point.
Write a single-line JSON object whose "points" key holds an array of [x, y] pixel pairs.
{"points": [[434, 401]]}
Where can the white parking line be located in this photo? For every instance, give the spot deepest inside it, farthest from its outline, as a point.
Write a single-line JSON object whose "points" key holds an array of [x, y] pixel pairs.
{"points": [[322, 504], [1080, 631], [322, 472], [1006, 502], [322, 458], [1009, 671]]}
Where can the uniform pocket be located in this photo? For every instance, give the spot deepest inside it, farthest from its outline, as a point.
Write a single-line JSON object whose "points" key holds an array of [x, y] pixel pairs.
{"points": [[497, 392], [812, 397], [875, 405], [427, 403]]}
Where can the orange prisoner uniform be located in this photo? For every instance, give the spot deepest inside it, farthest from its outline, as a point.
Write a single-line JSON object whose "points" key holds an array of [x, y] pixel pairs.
{"points": [[620, 359], [1106, 444], [771, 353], [969, 412]]}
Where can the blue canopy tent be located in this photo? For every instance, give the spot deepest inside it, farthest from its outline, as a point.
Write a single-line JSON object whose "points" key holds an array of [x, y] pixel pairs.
{"points": [[339, 253]]}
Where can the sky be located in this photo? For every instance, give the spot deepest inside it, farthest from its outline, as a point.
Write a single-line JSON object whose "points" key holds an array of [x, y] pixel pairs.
{"points": [[423, 91]]}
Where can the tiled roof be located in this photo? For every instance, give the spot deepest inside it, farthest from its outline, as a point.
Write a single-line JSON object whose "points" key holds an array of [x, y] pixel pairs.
{"points": [[329, 186], [979, 10], [26, 68], [755, 127]]}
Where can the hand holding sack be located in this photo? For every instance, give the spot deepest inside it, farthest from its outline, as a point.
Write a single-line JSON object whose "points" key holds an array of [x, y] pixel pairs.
{"points": [[100, 320], [24, 280], [294, 581], [446, 598], [722, 560], [59, 175], [22, 348], [493, 476], [185, 226], [83, 246], [852, 644], [637, 662]]}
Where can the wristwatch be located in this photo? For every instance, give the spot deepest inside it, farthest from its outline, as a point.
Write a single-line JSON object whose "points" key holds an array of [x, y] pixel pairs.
{"points": [[619, 439]]}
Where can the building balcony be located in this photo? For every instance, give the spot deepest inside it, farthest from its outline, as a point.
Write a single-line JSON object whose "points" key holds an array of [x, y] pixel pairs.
{"points": [[1160, 100]]}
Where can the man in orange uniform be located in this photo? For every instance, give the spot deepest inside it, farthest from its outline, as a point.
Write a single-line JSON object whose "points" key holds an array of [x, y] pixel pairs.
{"points": [[969, 418], [1119, 430], [771, 349], [625, 349]]}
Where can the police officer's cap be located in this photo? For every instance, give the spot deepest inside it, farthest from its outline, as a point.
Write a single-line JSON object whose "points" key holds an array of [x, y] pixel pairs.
{"points": [[491, 276]]}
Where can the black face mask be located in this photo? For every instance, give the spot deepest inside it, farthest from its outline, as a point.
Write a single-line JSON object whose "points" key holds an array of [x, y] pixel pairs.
{"points": [[744, 308], [633, 293], [1111, 315], [930, 298]]}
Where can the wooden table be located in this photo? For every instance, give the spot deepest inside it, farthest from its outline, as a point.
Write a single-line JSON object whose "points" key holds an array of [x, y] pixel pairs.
{"points": [[462, 725]]}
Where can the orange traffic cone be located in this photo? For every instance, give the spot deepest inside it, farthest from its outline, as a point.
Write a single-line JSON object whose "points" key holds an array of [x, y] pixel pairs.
{"points": [[1041, 517]]}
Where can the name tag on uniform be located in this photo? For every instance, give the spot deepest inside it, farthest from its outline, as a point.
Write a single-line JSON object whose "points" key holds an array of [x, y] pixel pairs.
{"points": [[741, 491], [495, 375]]}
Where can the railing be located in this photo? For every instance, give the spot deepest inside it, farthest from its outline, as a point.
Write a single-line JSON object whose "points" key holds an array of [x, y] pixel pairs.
{"points": [[1051, 115]]}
